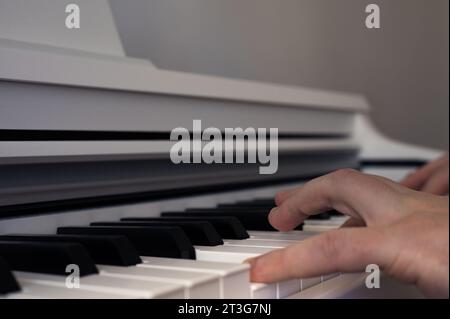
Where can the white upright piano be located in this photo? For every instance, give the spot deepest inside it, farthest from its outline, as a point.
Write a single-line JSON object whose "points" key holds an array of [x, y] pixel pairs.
{"points": [[84, 138]]}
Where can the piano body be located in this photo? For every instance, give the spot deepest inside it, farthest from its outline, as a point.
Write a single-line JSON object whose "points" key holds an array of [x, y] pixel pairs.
{"points": [[84, 138]]}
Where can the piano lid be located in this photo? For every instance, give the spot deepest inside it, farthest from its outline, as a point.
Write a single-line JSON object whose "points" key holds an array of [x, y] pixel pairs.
{"points": [[35, 46]]}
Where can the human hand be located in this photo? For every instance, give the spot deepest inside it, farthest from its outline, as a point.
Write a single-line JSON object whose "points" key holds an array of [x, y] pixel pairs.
{"points": [[406, 233], [431, 178]]}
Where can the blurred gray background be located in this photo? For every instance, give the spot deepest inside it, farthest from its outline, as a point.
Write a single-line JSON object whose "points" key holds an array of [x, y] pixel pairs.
{"points": [[402, 68]]}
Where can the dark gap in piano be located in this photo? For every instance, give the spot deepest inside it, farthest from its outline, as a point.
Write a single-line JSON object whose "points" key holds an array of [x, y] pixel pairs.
{"points": [[66, 135], [58, 206], [40, 188], [400, 162]]}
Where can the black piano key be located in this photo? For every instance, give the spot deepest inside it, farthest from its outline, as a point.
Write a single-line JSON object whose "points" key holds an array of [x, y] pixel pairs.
{"points": [[46, 257], [198, 232], [257, 203], [246, 206], [262, 201], [321, 216], [252, 220], [8, 283], [227, 227], [335, 213], [239, 209], [105, 250], [149, 241]]}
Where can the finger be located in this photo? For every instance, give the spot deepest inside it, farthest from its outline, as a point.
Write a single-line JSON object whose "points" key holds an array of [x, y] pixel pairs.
{"points": [[281, 196], [414, 180], [437, 184], [350, 192], [342, 250], [418, 178]]}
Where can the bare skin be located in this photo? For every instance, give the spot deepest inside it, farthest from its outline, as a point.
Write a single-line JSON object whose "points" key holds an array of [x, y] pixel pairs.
{"points": [[431, 178], [406, 232]]}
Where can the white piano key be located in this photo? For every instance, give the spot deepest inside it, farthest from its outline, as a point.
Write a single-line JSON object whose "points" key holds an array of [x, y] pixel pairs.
{"points": [[339, 219], [329, 276], [263, 291], [277, 290], [37, 291], [309, 229], [271, 235], [333, 221], [324, 225], [260, 243], [110, 285], [288, 287], [234, 278], [228, 253], [241, 253], [319, 227], [310, 282], [336, 287], [196, 285], [238, 255], [285, 288], [253, 290]]}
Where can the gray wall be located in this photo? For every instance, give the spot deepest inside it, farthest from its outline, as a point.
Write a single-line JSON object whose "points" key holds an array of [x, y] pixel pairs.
{"points": [[402, 68]]}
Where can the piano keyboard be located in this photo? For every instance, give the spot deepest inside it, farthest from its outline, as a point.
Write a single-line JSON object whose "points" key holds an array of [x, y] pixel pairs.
{"points": [[190, 253], [192, 248]]}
